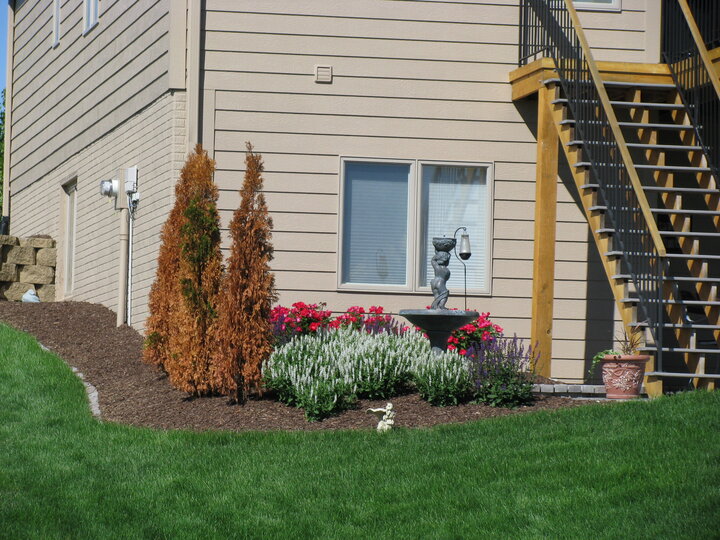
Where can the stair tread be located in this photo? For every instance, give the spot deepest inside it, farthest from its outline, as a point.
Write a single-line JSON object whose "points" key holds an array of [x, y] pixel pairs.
{"points": [[672, 147], [644, 146], [618, 84], [682, 350], [647, 105], [685, 211], [700, 191], [683, 375], [692, 279], [654, 126], [690, 233], [681, 168], [627, 104], [685, 326], [624, 84], [636, 125], [677, 302]]}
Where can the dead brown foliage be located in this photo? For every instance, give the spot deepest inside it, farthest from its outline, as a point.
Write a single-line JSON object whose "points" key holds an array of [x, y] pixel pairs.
{"points": [[183, 299], [165, 292], [243, 333]]}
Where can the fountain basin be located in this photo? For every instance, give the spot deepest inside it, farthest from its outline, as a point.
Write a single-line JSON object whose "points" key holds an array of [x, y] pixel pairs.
{"points": [[438, 324]]}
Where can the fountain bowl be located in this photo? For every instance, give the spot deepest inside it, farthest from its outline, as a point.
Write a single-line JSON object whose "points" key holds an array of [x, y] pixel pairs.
{"points": [[444, 244], [438, 324]]}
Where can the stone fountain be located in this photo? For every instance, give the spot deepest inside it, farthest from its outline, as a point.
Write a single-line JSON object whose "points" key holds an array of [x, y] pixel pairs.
{"points": [[438, 322]]}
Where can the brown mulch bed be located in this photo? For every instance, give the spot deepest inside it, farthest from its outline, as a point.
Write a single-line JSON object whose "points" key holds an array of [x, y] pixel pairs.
{"points": [[132, 392]]}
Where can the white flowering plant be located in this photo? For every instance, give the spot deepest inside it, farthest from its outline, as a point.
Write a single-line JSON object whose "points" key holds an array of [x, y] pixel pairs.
{"points": [[328, 371]]}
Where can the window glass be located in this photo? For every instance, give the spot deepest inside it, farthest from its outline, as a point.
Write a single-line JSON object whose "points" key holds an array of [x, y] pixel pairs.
{"points": [[375, 223], [454, 196]]}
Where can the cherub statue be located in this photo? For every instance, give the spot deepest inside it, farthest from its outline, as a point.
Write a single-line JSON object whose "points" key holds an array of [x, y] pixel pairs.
{"points": [[386, 416], [440, 262]]}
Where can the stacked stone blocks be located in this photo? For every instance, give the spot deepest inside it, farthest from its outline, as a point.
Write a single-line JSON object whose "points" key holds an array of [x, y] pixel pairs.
{"points": [[27, 263]]}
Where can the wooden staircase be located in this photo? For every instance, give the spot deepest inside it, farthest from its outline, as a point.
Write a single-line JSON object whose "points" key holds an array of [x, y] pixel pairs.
{"points": [[684, 197]]}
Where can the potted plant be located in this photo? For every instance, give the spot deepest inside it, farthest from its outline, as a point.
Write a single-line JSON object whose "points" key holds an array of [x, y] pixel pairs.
{"points": [[623, 369]]}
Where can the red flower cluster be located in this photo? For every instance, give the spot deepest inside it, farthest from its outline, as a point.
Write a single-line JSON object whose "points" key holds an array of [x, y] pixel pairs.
{"points": [[481, 329], [309, 318], [300, 319]]}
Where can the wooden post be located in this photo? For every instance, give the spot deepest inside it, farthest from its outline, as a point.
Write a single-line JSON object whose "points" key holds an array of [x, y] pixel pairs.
{"points": [[545, 224]]}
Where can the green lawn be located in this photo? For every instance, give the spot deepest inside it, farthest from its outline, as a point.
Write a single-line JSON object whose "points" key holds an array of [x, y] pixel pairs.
{"points": [[627, 470]]}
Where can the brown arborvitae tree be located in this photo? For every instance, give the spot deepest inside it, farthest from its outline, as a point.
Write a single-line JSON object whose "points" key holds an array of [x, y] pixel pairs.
{"points": [[243, 333], [184, 296], [165, 292], [200, 273]]}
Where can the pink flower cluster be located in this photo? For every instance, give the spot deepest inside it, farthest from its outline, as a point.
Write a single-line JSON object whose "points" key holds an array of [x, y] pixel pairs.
{"points": [[481, 329]]}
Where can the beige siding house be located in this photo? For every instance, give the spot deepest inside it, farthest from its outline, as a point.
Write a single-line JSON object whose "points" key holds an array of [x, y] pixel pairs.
{"points": [[381, 123]]}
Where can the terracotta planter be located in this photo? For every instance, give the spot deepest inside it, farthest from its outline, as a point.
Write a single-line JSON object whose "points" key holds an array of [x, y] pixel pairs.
{"points": [[623, 375]]}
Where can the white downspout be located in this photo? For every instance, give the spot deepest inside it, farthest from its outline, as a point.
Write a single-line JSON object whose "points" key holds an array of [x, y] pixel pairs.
{"points": [[8, 109], [122, 311]]}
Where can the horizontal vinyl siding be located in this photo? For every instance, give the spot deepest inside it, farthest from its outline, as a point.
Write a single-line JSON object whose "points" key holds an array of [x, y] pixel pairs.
{"points": [[154, 141], [423, 80], [618, 36], [68, 97]]}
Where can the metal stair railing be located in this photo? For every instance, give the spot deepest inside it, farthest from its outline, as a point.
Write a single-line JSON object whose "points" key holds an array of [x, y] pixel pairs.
{"points": [[552, 28], [685, 52]]}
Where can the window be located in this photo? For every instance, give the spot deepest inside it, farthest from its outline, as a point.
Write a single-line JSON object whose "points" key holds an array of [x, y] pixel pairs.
{"points": [[91, 11], [607, 5], [70, 221], [56, 24], [391, 210]]}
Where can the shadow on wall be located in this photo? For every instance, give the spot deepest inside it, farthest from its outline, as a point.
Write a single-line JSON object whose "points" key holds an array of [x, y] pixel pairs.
{"points": [[600, 304]]}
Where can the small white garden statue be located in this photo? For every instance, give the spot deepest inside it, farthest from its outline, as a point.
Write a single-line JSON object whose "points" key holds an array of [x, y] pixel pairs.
{"points": [[386, 416], [30, 296]]}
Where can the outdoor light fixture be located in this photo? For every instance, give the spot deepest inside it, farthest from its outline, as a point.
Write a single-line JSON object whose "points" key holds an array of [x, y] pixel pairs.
{"points": [[463, 254], [109, 188]]}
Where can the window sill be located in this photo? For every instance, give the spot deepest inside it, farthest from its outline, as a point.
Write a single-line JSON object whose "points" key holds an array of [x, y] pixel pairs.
{"points": [[407, 292], [591, 6]]}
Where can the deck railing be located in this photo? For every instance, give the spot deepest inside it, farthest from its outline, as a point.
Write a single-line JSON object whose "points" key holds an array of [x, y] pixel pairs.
{"points": [[688, 29], [551, 28]]}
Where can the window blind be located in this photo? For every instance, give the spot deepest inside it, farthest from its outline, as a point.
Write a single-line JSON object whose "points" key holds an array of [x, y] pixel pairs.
{"points": [[455, 196], [375, 221]]}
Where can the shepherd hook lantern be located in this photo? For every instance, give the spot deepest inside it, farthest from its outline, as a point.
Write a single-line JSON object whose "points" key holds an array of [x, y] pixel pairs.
{"points": [[463, 254]]}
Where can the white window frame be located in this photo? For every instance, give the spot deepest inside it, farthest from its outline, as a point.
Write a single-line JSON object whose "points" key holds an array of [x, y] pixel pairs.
{"points": [[411, 210], [91, 14], [589, 5], [55, 24], [412, 265]]}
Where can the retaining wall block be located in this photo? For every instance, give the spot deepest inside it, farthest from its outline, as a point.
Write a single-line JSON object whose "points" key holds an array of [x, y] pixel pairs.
{"points": [[6, 240], [37, 274], [37, 242], [8, 272], [46, 293], [14, 291], [46, 256], [20, 255]]}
